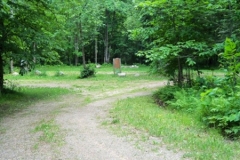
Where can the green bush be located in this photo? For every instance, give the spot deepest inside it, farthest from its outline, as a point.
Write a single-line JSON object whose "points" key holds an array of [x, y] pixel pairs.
{"points": [[217, 107], [165, 94], [209, 82], [221, 111], [186, 100], [88, 71]]}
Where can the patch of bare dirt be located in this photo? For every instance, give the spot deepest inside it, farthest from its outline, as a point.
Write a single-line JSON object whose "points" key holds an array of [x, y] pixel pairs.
{"points": [[83, 136]]}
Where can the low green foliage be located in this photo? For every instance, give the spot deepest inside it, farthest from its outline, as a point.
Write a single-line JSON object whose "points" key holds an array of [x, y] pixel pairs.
{"points": [[220, 110], [165, 94], [176, 129], [185, 100], [88, 71], [216, 104]]}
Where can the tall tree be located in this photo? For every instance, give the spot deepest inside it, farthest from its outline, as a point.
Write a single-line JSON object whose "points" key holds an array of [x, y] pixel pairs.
{"points": [[84, 19], [180, 34], [22, 23]]}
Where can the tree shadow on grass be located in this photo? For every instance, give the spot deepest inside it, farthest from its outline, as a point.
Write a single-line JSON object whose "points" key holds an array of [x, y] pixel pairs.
{"points": [[12, 101]]}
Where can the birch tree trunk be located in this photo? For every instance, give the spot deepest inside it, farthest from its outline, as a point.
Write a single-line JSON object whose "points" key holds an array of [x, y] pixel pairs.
{"points": [[11, 65], [106, 39], [106, 56]]}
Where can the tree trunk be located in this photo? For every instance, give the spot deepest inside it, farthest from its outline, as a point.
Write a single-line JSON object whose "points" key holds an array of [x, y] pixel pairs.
{"points": [[2, 43], [83, 57], [11, 65], [106, 56], [106, 40], [82, 45], [76, 60], [96, 50], [180, 73], [34, 56], [76, 49], [1, 72]]}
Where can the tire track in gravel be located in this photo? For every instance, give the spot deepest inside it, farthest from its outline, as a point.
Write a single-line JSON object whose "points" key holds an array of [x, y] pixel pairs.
{"points": [[84, 137]]}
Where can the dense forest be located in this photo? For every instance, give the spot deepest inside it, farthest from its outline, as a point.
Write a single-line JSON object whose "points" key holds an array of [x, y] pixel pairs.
{"points": [[171, 34], [175, 37]]}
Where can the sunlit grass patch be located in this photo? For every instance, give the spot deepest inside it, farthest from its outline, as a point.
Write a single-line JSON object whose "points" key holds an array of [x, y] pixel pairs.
{"points": [[178, 130], [73, 72]]}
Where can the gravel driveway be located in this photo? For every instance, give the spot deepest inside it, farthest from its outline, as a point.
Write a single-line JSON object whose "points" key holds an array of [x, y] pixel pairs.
{"points": [[83, 136]]}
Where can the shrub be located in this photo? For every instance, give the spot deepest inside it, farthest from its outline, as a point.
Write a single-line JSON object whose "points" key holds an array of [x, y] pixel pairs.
{"points": [[88, 71], [185, 100], [165, 94], [221, 111], [217, 107]]}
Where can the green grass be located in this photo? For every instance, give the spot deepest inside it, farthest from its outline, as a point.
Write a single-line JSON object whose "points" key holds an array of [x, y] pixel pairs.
{"points": [[18, 100], [73, 72], [104, 81], [178, 130], [50, 132]]}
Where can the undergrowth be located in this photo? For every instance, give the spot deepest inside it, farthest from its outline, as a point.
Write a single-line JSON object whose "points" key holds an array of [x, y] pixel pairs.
{"points": [[217, 107]]}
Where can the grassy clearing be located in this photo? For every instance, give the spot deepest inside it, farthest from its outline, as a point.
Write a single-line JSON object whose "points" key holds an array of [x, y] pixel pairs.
{"points": [[73, 72], [178, 130], [104, 81]]}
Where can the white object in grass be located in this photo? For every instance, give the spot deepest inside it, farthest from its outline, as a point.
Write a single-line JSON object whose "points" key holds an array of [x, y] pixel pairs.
{"points": [[121, 74], [15, 74], [98, 66]]}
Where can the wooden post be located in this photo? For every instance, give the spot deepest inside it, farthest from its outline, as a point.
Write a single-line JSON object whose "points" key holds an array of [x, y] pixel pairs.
{"points": [[117, 65]]}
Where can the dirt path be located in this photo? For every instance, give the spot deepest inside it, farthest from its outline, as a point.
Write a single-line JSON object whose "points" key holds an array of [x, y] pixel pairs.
{"points": [[80, 129]]}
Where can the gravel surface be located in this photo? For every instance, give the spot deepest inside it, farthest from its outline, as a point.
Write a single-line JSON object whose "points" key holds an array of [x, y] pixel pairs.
{"points": [[81, 133]]}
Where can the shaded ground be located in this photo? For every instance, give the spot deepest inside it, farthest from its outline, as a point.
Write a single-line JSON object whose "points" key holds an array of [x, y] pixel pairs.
{"points": [[81, 135]]}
